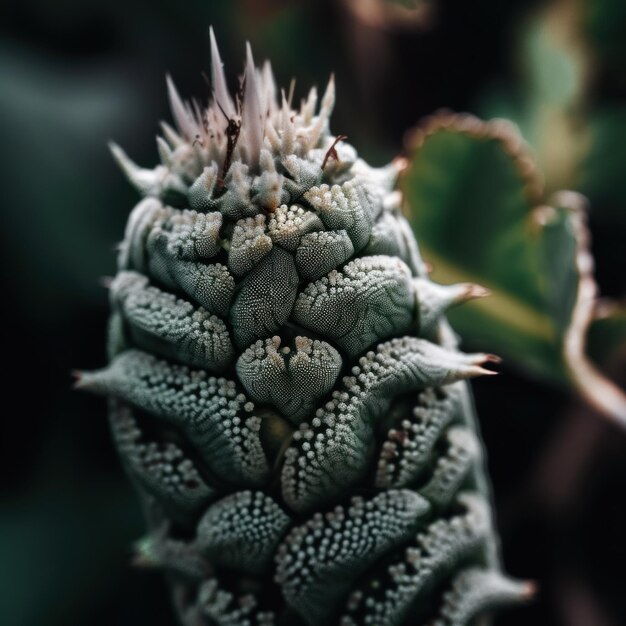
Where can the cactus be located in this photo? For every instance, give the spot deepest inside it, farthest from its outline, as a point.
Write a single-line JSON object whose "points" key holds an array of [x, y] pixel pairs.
{"points": [[285, 392]]}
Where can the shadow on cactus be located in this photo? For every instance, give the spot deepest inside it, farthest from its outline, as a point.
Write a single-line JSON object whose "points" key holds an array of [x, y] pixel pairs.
{"points": [[284, 390]]}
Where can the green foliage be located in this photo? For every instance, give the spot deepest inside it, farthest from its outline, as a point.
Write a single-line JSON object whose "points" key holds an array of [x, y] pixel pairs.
{"points": [[482, 229], [478, 208]]}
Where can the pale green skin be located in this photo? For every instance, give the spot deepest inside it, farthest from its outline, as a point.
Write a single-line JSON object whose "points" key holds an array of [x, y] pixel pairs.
{"points": [[285, 393]]}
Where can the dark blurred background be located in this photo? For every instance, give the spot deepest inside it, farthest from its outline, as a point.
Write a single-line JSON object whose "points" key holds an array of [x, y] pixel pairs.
{"points": [[74, 74]]}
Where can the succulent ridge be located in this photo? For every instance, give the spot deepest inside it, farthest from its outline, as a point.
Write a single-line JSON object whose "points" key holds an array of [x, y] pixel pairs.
{"points": [[284, 390]]}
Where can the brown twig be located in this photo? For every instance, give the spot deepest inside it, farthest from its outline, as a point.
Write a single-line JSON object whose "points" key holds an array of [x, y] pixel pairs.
{"points": [[332, 152], [232, 135]]}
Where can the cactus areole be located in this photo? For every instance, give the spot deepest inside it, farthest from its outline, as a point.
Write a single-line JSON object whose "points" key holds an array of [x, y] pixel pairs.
{"points": [[284, 391]]}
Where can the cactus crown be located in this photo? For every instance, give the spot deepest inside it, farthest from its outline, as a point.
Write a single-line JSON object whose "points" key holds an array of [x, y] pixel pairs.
{"points": [[284, 391], [246, 154]]}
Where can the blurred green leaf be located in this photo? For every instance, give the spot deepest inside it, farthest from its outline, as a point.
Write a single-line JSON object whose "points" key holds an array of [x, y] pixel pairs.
{"points": [[57, 200], [603, 168], [564, 53], [477, 208], [546, 103]]}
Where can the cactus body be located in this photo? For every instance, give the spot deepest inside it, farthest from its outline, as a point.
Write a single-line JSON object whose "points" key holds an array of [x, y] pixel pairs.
{"points": [[284, 391]]}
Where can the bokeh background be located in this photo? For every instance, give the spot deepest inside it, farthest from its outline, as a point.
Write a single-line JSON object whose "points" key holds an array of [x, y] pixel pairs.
{"points": [[74, 74]]}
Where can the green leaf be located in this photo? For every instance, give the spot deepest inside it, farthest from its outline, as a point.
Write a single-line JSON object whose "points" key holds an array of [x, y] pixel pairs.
{"points": [[602, 171], [548, 96], [477, 208]]}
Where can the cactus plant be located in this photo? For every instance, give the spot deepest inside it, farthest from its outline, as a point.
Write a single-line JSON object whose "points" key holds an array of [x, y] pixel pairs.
{"points": [[285, 392]]}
